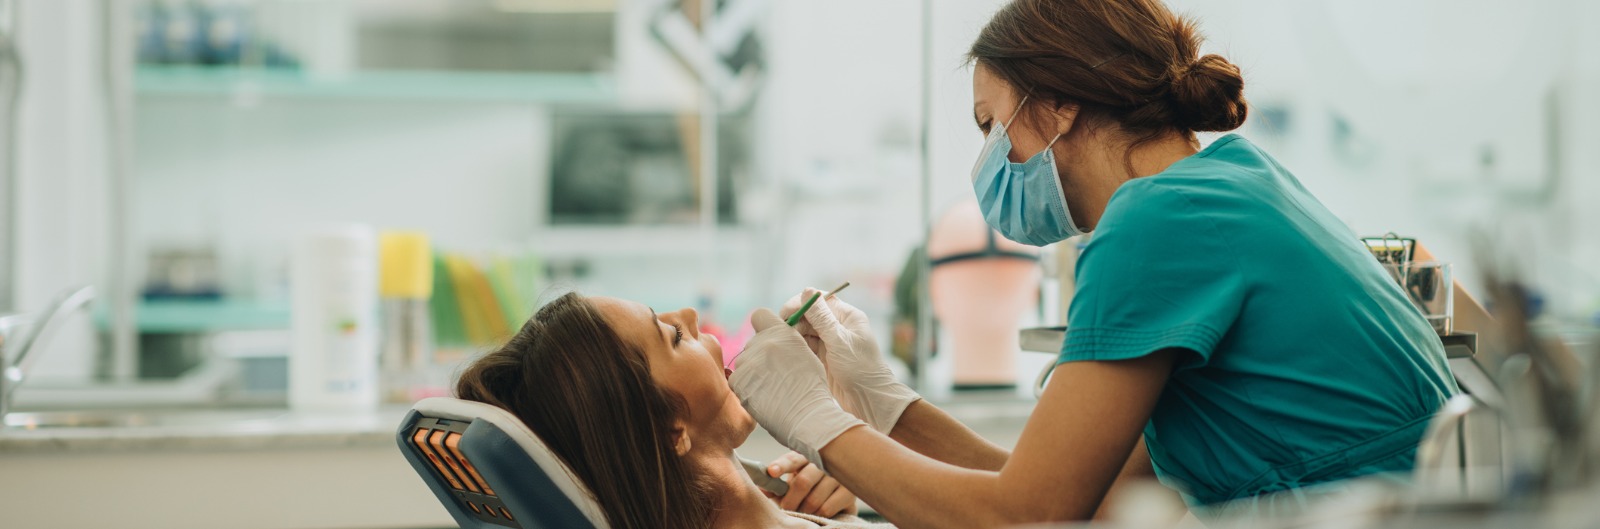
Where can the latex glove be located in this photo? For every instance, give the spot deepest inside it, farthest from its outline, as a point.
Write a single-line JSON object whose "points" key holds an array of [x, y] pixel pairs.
{"points": [[810, 490], [784, 386], [857, 375]]}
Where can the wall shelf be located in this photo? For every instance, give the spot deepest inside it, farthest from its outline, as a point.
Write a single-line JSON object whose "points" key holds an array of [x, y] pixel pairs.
{"points": [[449, 86], [174, 316], [568, 241]]}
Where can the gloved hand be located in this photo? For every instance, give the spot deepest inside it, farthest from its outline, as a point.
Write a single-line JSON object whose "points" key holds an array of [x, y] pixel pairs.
{"points": [[857, 375], [783, 385]]}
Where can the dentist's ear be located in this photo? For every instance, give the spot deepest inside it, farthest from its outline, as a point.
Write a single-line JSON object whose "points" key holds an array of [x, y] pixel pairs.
{"points": [[1066, 115], [680, 439]]}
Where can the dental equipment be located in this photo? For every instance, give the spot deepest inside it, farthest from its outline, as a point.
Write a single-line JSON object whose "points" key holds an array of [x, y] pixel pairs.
{"points": [[758, 474], [795, 319]]}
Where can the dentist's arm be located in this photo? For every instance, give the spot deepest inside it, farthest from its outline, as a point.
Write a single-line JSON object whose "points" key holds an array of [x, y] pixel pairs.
{"points": [[930, 431], [1071, 451], [842, 337], [865, 386]]}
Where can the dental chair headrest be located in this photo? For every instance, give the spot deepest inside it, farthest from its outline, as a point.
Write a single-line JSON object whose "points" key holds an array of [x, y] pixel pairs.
{"points": [[490, 471]]}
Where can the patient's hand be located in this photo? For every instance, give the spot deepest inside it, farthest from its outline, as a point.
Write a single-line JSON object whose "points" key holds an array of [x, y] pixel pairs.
{"points": [[810, 490]]}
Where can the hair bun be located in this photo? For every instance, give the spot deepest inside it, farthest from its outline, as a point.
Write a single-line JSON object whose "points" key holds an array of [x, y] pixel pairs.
{"points": [[1208, 95]]}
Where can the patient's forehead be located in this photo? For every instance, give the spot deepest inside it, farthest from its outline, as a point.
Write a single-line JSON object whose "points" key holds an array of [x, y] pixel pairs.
{"points": [[631, 320]]}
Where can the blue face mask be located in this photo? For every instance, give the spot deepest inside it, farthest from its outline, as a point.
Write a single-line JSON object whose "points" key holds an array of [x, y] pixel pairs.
{"points": [[1023, 201]]}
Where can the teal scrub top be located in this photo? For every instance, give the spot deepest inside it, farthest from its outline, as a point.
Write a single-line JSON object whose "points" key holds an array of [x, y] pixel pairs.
{"points": [[1301, 361]]}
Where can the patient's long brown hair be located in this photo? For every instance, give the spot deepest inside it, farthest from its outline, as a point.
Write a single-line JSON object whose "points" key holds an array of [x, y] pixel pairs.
{"points": [[589, 395]]}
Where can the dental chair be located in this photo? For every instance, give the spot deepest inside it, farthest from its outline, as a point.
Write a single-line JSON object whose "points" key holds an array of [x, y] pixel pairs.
{"points": [[490, 471]]}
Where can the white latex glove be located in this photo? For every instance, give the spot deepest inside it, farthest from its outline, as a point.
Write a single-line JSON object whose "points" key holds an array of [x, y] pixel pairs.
{"points": [[783, 385], [857, 375]]}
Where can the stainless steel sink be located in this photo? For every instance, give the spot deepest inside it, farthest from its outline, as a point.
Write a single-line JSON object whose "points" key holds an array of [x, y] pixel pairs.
{"points": [[135, 419]]}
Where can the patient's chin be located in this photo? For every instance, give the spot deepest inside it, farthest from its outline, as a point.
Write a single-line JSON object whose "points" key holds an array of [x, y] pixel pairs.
{"points": [[746, 427], [749, 424], [741, 420], [732, 418]]}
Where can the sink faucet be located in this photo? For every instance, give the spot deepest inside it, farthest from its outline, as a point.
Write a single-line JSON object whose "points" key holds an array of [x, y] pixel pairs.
{"points": [[14, 370]]}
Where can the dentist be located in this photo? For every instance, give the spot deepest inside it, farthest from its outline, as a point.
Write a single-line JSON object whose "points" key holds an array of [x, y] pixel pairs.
{"points": [[1228, 334]]}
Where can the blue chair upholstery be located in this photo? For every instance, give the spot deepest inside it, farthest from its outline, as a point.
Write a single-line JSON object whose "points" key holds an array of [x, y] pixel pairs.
{"points": [[490, 471]]}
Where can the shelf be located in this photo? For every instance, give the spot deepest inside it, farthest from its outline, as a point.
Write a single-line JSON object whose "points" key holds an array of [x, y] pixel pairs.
{"points": [[376, 85], [173, 316], [634, 241]]}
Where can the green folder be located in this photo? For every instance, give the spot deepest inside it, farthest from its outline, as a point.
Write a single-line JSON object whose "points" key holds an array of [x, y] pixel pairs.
{"points": [[448, 328]]}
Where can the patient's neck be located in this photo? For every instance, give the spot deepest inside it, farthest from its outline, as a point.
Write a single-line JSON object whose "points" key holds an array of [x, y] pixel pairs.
{"points": [[739, 503]]}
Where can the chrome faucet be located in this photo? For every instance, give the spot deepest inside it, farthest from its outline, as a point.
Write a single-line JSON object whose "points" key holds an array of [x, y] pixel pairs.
{"points": [[17, 355]]}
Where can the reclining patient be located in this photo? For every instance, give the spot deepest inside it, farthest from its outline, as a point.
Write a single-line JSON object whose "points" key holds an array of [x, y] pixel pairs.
{"points": [[637, 405]]}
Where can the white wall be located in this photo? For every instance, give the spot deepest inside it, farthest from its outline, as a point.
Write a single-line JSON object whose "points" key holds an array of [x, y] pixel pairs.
{"points": [[63, 195], [1427, 88], [247, 179], [840, 131]]}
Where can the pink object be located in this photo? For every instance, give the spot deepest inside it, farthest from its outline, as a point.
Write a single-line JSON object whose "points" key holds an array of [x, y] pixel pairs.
{"points": [[981, 285], [424, 392], [732, 344]]}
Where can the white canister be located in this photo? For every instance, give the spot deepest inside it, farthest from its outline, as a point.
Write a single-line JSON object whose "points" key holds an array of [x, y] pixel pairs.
{"points": [[334, 295]]}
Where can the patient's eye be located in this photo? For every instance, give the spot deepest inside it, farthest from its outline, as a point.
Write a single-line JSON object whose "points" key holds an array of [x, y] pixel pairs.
{"points": [[677, 336]]}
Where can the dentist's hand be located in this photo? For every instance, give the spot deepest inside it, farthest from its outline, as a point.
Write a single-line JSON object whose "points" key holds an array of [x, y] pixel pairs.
{"points": [[780, 382], [857, 375]]}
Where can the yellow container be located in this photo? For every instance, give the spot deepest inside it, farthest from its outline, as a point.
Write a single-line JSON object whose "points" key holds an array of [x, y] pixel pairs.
{"points": [[405, 265]]}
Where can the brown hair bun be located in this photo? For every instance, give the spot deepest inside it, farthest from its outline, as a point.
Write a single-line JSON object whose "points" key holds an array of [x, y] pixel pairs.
{"points": [[1133, 63], [1208, 95]]}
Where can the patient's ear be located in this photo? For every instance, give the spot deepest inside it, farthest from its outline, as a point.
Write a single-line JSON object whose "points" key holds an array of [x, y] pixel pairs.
{"points": [[680, 439]]}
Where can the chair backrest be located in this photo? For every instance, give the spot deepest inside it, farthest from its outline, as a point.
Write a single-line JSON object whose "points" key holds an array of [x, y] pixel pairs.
{"points": [[490, 471]]}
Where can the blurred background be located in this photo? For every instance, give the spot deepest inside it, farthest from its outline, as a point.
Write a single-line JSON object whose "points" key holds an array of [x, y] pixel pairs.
{"points": [[718, 155], [172, 165]]}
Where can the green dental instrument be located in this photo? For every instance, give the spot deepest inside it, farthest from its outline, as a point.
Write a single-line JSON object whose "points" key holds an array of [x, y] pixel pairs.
{"points": [[795, 319]]}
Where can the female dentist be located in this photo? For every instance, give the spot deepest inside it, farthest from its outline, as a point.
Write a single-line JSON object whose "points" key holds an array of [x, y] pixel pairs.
{"points": [[1228, 333]]}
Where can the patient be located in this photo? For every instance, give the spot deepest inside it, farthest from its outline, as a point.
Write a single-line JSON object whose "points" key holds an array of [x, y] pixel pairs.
{"points": [[638, 406]]}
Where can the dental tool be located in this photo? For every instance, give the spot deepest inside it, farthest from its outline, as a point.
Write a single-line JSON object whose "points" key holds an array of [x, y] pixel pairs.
{"points": [[795, 319], [758, 474], [727, 366]]}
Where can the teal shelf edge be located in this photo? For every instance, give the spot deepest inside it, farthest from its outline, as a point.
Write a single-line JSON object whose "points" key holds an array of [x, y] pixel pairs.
{"points": [[376, 84], [205, 316]]}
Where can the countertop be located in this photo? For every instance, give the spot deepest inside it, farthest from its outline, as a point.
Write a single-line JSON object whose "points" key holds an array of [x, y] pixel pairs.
{"points": [[241, 429], [996, 414]]}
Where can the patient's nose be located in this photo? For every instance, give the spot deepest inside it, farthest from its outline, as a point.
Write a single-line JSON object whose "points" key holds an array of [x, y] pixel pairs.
{"points": [[691, 320]]}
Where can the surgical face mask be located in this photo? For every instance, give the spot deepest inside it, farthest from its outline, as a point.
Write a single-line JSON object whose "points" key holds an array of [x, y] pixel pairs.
{"points": [[1023, 201]]}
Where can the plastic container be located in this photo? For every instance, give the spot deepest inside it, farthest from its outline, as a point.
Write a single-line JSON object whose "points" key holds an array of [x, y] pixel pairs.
{"points": [[405, 283], [333, 365]]}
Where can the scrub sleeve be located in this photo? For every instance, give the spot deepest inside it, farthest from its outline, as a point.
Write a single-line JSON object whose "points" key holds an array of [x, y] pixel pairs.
{"points": [[1166, 281]]}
